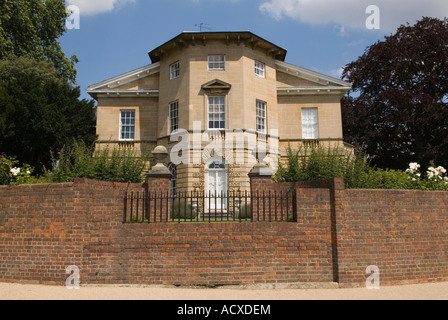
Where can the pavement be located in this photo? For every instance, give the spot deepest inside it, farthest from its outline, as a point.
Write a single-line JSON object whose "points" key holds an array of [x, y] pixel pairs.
{"points": [[8, 291]]}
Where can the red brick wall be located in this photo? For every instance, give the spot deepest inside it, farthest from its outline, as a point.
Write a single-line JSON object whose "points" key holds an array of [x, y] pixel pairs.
{"points": [[223, 254], [403, 233], [46, 228], [41, 232], [201, 254], [338, 234], [83, 223]]}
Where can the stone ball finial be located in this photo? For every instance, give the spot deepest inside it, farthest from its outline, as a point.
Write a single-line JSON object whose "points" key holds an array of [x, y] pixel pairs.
{"points": [[160, 153]]}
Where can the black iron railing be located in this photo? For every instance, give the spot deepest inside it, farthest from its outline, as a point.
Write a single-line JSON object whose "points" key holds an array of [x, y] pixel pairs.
{"points": [[157, 207]]}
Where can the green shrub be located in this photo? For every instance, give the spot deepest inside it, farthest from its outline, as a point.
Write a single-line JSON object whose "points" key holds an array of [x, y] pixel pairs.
{"points": [[317, 163], [13, 174], [81, 161], [5, 167], [182, 210], [246, 212], [387, 179]]}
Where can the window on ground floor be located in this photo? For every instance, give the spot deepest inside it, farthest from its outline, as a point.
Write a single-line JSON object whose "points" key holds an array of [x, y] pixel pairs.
{"points": [[310, 124], [127, 125]]}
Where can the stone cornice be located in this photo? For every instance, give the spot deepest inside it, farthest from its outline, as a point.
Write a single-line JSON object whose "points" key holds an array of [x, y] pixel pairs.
{"points": [[111, 93], [246, 38], [302, 91]]}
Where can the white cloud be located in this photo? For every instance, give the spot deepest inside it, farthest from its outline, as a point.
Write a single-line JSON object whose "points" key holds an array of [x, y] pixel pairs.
{"points": [[337, 73], [352, 13], [91, 7]]}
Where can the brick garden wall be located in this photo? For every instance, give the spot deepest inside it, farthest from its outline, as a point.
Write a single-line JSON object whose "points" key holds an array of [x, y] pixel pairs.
{"points": [[41, 232], [404, 233], [46, 228], [223, 254]]}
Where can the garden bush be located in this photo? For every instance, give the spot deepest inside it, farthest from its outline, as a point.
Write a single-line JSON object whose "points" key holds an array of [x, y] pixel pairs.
{"points": [[13, 174], [245, 212], [317, 163], [182, 210], [5, 167], [115, 165]]}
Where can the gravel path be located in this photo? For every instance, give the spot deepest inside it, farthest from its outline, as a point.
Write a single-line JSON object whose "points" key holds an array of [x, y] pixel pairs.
{"points": [[437, 291]]}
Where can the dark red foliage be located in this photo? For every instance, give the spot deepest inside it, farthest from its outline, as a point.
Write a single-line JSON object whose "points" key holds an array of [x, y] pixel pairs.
{"points": [[398, 108]]}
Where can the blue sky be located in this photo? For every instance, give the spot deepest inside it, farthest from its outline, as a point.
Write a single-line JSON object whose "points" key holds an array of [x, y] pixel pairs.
{"points": [[115, 36]]}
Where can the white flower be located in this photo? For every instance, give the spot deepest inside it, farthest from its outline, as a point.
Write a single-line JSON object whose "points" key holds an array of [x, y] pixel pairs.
{"points": [[441, 170], [413, 169], [15, 171]]}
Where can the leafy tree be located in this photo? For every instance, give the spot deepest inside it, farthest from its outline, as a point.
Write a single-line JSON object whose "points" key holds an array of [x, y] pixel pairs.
{"points": [[32, 28], [398, 108], [40, 112]]}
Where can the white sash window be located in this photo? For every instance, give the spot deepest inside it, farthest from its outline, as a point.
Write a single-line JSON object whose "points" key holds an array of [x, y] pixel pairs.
{"points": [[217, 113], [259, 69], [261, 117], [174, 116], [216, 63], [127, 125], [310, 124], [174, 71]]}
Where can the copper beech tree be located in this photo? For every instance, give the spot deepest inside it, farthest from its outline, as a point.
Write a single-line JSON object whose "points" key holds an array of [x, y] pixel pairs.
{"points": [[397, 110]]}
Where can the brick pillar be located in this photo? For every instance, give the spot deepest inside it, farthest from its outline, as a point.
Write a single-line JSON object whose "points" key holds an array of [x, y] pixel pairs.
{"points": [[260, 183], [158, 188], [337, 194]]}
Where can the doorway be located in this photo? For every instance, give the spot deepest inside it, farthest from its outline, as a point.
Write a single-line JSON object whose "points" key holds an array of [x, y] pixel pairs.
{"points": [[217, 184]]}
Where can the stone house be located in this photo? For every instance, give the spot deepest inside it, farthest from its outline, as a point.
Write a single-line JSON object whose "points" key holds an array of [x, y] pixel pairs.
{"points": [[213, 99]]}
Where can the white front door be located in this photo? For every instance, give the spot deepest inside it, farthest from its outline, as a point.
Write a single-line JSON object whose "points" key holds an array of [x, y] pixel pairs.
{"points": [[217, 187]]}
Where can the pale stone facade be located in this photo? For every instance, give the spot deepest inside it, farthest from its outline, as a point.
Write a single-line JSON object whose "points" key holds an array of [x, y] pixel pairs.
{"points": [[256, 91]]}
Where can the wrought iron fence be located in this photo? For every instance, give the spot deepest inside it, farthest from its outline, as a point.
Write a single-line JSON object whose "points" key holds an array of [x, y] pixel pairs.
{"points": [[190, 207]]}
